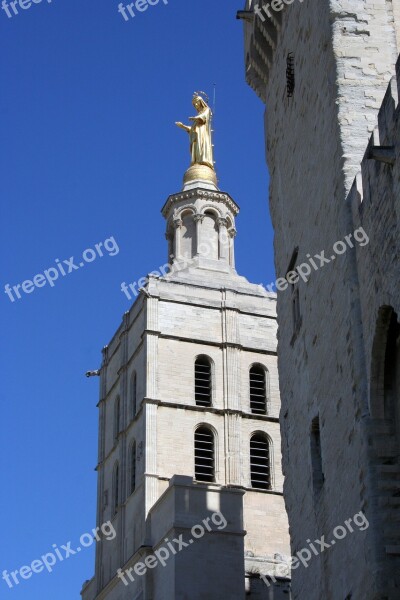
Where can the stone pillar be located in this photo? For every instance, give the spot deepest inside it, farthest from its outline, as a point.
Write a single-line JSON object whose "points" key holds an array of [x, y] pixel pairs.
{"points": [[233, 468], [177, 239], [223, 239], [198, 219], [150, 402], [232, 232], [150, 455]]}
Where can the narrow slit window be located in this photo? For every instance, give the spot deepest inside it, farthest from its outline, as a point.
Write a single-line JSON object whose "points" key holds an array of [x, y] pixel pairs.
{"points": [[258, 390], [204, 459], [133, 467], [202, 381], [292, 277], [260, 467], [133, 395], [116, 488], [316, 456], [117, 418], [290, 78]]}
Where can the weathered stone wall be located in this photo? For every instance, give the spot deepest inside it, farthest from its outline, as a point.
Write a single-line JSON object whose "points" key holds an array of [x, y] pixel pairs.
{"points": [[375, 200], [343, 54]]}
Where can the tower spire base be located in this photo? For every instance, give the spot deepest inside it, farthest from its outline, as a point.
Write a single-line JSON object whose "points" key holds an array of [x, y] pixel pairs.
{"points": [[199, 175]]}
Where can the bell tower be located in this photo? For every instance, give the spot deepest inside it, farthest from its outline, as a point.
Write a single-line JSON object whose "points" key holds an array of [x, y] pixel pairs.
{"points": [[189, 469]]}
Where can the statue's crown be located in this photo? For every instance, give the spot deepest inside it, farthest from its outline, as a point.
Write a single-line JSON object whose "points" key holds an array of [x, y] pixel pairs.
{"points": [[202, 95]]}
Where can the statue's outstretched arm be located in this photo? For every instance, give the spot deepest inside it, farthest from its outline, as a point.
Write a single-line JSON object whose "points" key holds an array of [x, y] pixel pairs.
{"points": [[183, 126]]}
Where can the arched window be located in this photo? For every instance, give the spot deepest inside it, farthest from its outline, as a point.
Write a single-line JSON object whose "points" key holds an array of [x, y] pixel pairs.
{"points": [[133, 395], [260, 467], [210, 236], [188, 236], [204, 458], [385, 366], [117, 417], [133, 468], [116, 487], [202, 381], [258, 390]]}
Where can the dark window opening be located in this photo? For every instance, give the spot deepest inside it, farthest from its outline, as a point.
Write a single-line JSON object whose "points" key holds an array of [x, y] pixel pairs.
{"points": [[292, 276], [316, 456], [260, 468], [258, 390], [290, 80], [204, 462], [202, 378]]}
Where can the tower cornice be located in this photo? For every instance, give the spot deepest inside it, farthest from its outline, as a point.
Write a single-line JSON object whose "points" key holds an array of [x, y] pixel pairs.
{"points": [[204, 194]]}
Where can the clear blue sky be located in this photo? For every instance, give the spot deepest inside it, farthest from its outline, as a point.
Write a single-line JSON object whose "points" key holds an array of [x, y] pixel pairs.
{"points": [[89, 150]]}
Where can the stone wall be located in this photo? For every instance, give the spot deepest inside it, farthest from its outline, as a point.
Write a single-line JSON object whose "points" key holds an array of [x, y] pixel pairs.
{"points": [[375, 200], [343, 55]]}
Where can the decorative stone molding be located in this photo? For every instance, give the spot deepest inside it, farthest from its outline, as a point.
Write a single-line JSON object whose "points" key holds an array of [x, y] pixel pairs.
{"points": [[213, 208], [200, 193], [232, 232], [178, 211], [198, 218], [177, 223], [222, 222]]}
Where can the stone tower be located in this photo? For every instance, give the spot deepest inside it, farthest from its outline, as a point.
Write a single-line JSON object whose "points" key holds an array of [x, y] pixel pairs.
{"points": [[189, 434], [323, 68]]}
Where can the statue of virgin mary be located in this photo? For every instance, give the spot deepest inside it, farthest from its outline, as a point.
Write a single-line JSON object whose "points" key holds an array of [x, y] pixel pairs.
{"points": [[200, 133]]}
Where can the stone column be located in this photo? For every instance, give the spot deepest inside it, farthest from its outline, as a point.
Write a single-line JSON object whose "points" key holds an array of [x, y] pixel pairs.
{"points": [[150, 403], [198, 219], [150, 455], [223, 239], [232, 232], [177, 248]]}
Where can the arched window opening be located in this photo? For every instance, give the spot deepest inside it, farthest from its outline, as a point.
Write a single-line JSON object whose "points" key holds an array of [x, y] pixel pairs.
{"points": [[260, 467], [385, 367], [392, 374], [202, 377], [204, 458], [258, 390], [188, 239], [210, 236]]}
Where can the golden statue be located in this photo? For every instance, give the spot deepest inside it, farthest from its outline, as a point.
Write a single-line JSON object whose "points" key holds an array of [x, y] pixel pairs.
{"points": [[199, 132]]}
